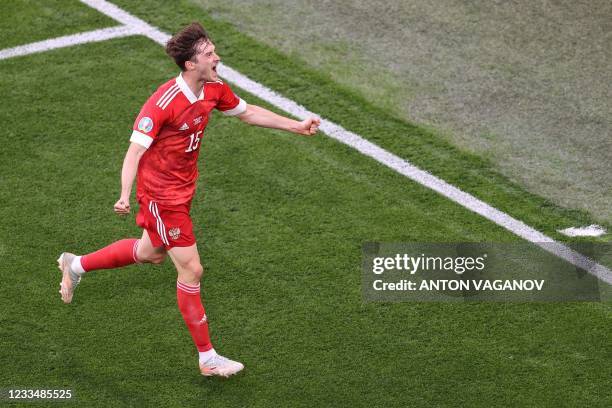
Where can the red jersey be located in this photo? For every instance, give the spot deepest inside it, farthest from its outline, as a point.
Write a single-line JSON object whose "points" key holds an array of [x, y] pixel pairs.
{"points": [[171, 125]]}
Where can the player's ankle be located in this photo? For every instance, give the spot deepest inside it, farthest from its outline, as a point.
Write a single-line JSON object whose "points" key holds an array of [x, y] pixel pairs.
{"points": [[76, 265], [207, 355]]}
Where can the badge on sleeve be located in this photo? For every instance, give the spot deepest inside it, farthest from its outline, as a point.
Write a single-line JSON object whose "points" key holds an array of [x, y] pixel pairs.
{"points": [[145, 125]]}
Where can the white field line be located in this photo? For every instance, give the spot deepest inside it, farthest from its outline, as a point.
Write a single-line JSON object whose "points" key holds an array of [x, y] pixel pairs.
{"points": [[69, 40], [355, 141], [128, 19]]}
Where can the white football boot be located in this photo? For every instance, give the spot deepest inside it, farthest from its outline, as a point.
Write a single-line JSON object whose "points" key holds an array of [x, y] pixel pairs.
{"points": [[70, 279], [220, 366]]}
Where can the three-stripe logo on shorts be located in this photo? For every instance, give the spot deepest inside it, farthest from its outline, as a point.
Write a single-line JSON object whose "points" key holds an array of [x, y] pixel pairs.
{"points": [[168, 96], [161, 228]]}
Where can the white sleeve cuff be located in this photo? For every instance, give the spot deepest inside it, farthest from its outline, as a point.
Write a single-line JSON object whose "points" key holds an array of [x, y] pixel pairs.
{"points": [[240, 108], [141, 139]]}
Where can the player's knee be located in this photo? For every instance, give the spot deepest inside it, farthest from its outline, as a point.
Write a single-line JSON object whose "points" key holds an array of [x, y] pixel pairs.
{"points": [[196, 270], [154, 258], [157, 259]]}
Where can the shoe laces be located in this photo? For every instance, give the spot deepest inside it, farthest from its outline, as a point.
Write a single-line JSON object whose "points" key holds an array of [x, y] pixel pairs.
{"points": [[218, 359]]}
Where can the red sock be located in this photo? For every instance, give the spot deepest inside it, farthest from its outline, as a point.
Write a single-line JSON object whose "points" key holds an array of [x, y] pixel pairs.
{"points": [[117, 254], [190, 305]]}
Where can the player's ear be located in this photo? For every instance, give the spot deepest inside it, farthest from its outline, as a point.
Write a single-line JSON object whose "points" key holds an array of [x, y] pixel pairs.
{"points": [[189, 65]]}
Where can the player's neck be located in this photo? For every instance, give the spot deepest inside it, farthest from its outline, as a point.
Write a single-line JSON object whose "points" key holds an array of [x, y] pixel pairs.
{"points": [[194, 83]]}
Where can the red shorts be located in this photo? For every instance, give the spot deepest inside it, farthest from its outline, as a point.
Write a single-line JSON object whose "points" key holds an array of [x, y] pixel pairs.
{"points": [[168, 226]]}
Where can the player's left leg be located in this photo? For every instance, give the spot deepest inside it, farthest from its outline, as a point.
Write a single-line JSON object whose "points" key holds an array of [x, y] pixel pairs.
{"points": [[118, 254], [189, 268], [147, 252]]}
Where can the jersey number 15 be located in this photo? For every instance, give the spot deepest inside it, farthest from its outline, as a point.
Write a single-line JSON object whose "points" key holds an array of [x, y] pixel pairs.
{"points": [[194, 141]]}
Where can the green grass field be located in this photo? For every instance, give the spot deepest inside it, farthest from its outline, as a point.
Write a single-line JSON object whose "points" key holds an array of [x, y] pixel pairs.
{"points": [[280, 222]]}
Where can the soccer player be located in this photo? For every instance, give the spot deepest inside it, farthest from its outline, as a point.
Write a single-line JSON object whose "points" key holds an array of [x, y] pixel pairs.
{"points": [[162, 156]]}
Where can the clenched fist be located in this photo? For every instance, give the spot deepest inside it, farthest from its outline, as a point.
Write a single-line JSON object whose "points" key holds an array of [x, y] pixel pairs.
{"points": [[122, 206], [309, 126]]}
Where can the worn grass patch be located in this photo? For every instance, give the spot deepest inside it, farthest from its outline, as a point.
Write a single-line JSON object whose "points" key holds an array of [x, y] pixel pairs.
{"points": [[526, 85]]}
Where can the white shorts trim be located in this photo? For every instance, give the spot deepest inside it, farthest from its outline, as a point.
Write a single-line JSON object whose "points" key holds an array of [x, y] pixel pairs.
{"points": [[161, 228]]}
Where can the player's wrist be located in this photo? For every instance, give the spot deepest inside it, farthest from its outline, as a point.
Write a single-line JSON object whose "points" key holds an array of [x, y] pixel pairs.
{"points": [[296, 127]]}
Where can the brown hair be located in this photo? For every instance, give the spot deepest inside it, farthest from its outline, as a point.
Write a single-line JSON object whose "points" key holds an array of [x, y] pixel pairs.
{"points": [[184, 44]]}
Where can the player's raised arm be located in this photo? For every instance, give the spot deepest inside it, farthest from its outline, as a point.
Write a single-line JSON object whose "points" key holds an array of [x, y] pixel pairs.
{"points": [[128, 174], [258, 116]]}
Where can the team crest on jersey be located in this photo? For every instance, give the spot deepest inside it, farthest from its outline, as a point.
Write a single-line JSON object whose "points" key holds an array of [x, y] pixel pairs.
{"points": [[145, 124], [174, 233], [197, 120]]}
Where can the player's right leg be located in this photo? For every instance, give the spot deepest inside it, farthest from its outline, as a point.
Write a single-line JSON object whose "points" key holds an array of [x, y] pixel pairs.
{"points": [[187, 263], [118, 254]]}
